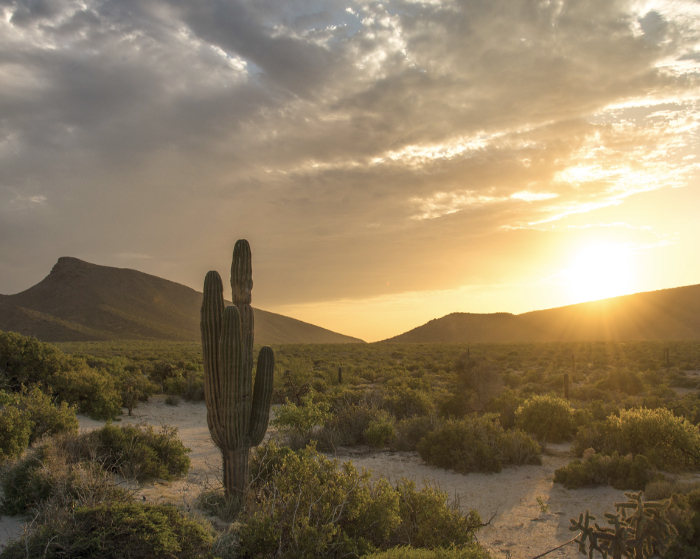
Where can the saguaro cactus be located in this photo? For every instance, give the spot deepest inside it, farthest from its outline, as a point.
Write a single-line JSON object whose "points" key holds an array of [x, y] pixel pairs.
{"points": [[237, 412]]}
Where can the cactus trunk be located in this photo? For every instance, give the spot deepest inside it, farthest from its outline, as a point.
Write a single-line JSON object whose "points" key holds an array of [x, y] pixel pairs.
{"points": [[237, 415]]}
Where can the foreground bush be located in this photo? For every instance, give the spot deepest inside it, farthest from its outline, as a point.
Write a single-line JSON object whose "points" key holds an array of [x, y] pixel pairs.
{"points": [[548, 417], [478, 444], [43, 480], [622, 472], [139, 451], [117, 531], [63, 464], [669, 442], [311, 506]]}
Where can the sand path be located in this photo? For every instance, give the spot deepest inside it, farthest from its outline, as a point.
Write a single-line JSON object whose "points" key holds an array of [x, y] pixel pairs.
{"points": [[518, 528]]}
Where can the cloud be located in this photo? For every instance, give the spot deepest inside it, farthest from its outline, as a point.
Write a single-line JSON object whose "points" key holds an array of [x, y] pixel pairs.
{"points": [[346, 140]]}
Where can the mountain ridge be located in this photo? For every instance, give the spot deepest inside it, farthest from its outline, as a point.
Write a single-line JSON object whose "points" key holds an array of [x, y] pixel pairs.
{"points": [[665, 314], [81, 301]]}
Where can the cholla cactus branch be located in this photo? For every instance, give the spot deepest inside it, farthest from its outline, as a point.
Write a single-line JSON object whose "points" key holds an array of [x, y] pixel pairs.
{"points": [[637, 536]]}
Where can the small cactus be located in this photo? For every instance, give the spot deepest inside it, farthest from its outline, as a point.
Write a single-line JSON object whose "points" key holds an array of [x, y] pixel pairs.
{"points": [[237, 411], [637, 530]]}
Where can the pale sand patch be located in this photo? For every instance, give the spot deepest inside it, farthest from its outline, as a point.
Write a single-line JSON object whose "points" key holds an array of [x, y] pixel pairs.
{"points": [[518, 525]]}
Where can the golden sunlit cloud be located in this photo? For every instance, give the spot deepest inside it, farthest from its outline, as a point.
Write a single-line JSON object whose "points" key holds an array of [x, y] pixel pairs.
{"points": [[533, 196]]}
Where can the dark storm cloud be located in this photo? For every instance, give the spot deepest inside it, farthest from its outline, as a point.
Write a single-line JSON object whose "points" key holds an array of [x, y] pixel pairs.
{"points": [[346, 140]]}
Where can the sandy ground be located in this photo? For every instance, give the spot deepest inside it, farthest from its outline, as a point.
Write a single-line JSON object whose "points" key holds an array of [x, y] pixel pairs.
{"points": [[518, 529]]}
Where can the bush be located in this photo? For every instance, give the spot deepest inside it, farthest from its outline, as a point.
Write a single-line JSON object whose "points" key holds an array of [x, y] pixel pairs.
{"points": [[46, 417], [409, 432], [311, 506], [27, 361], [301, 419], [477, 444], [347, 425], [188, 384], [404, 401], [15, 431], [135, 387], [45, 478], [115, 531], [622, 472], [380, 431], [142, 453], [669, 442], [548, 417]]}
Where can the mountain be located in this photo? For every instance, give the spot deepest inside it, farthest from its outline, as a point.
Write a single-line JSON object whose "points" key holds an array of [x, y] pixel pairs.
{"points": [[79, 301], [667, 314]]}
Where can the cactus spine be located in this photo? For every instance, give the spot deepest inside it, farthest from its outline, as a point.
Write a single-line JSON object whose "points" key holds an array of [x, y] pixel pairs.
{"points": [[237, 412]]}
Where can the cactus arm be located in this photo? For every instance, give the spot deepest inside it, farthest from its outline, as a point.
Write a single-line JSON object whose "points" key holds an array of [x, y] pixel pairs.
{"points": [[262, 396], [236, 384], [210, 325]]}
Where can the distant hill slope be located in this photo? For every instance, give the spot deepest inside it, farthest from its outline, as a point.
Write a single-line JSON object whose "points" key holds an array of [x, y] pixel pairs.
{"points": [[668, 314], [79, 301]]}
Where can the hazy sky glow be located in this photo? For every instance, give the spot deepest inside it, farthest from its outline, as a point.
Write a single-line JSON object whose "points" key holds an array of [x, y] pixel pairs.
{"points": [[389, 162]]}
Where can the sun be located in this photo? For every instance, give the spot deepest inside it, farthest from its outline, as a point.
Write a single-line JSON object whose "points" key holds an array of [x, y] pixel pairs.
{"points": [[599, 271]]}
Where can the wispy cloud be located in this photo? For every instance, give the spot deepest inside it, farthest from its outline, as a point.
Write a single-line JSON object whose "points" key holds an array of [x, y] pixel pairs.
{"points": [[346, 140]]}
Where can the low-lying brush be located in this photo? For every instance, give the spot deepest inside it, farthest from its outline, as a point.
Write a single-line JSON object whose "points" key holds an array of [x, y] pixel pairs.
{"points": [[62, 465], [622, 472], [116, 531], [669, 442], [478, 444], [550, 418], [310, 506]]}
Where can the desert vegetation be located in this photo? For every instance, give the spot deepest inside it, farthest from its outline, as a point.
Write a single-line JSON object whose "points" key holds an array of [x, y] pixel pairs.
{"points": [[631, 419]]}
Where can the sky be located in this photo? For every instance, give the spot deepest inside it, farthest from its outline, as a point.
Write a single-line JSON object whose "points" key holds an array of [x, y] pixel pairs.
{"points": [[389, 162]]}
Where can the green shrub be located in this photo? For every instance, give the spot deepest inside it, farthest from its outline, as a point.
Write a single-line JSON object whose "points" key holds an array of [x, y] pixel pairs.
{"points": [[24, 484], [142, 453], [669, 442], [135, 387], [116, 531], [171, 400], [430, 520], [310, 506], [188, 384], [45, 474], [409, 432], [622, 472], [47, 418], [342, 513], [404, 401], [548, 417], [27, 361], [303, 418], [347, 425], [94, 393], [477, 444], [380, 431], [621, 381], [15, 431]]}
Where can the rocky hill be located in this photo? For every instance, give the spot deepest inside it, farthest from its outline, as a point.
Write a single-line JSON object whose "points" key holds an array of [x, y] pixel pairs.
{"points": [[79, 301]]}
